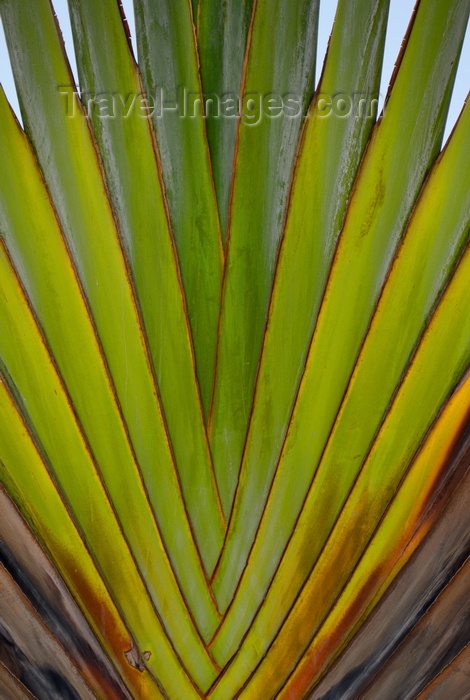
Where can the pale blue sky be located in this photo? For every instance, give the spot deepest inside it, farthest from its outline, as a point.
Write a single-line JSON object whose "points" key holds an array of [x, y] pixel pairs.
{"points": [[400, 12]]}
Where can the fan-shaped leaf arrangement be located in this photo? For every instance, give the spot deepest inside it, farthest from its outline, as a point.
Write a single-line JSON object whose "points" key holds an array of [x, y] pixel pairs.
{"points": [[234, 351]]}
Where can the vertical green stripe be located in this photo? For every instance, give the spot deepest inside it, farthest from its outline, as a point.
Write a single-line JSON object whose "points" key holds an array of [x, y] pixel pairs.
{"points": [[281, 62]]}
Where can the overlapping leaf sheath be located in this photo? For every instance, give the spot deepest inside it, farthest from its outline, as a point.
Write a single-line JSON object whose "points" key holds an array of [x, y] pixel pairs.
{"points": [[109, 76], [222, 40], [369, 239], [280, 64], [440, 635], [88, 394], [424, 535], [330, 152], [170, 72], [435, 236], [410, 416], [137, 548], [428, 560], [141, 444], [26, 562], [27, 479], [250, 473], [35, 648]]}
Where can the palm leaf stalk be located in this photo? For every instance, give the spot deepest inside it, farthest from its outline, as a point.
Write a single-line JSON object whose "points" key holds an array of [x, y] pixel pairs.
{"points": [[234, 355]]}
